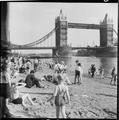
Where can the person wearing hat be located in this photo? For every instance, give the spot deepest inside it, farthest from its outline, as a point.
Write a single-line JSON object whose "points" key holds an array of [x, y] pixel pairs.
{"points": [[59, 94]]}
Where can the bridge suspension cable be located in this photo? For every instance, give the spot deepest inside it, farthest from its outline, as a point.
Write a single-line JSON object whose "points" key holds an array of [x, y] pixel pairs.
{"points": [[115, 32], [37, 41], [41, 39], [48, 35]]}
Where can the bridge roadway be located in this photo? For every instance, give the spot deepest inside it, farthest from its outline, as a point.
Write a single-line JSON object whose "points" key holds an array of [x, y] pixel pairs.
{"points": [[33, 48], [84, 26]]}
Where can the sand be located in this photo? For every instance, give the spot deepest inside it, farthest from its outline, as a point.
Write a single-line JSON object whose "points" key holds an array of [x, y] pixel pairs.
{"points": [[94, 98]]}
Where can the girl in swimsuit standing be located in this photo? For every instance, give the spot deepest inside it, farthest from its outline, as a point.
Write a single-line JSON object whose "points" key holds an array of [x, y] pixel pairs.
{"points": [[59, 94]]}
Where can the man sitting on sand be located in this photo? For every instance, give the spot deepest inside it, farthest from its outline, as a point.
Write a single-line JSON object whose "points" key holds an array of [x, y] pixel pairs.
{"points": [[17, 97], [31, 80]]}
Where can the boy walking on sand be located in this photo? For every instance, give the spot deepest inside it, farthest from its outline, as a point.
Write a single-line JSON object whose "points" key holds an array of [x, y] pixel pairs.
{"points": [[78, 73], [59, 94]]}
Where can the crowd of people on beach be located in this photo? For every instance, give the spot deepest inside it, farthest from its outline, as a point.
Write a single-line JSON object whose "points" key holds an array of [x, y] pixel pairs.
{"points": [[93, 71], [13, 66]]}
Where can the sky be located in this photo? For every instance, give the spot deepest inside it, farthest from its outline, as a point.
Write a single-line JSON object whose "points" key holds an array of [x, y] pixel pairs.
{"points": [[30, 21]]}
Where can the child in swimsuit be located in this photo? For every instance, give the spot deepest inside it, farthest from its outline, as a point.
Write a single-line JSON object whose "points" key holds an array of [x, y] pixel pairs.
{"points": [[59, 94]]}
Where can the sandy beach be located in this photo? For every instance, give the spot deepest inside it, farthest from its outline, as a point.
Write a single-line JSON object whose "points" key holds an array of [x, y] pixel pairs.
{"points": [[36, 36], [94, 98]]}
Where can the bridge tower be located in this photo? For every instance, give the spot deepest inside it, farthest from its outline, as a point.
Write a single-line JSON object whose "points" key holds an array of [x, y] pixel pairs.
{"points": [[61, 26], [106, 32]]}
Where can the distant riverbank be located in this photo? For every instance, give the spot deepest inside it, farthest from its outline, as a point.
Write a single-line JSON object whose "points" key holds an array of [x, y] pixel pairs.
{"points": [[104, 52]]}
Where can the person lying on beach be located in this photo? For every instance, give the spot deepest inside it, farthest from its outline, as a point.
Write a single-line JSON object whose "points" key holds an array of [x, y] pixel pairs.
{"points": [[31, 80], [59, 94], [17, 97]]}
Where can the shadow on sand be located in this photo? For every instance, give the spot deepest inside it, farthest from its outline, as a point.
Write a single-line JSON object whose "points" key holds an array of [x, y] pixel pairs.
{"points": [[106, 95], [38, 93]]}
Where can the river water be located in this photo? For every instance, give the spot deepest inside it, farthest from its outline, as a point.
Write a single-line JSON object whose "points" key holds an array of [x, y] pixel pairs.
{"points": [[106, 62]]}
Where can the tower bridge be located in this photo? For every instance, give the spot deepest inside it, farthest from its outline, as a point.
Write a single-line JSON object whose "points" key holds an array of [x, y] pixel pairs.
{"points": [[61, 26]]}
